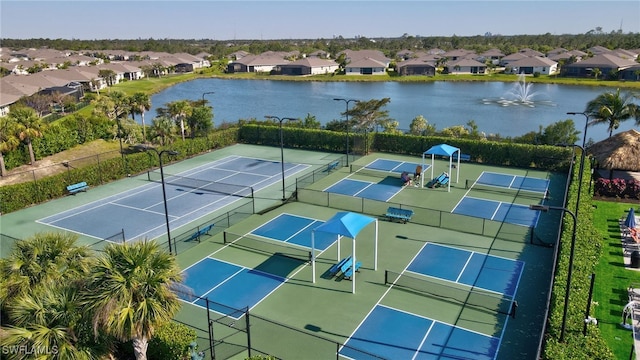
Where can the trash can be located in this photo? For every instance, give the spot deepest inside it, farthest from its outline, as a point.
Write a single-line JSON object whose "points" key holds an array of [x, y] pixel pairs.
{"points": [[635, 259]]}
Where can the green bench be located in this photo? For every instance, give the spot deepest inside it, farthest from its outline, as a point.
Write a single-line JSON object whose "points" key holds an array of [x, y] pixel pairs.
{"points": [[403, 215], [75, 188], [333, 165]]}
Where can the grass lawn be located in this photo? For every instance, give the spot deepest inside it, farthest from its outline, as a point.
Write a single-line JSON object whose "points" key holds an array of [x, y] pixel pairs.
{"points": [[612, 278]]}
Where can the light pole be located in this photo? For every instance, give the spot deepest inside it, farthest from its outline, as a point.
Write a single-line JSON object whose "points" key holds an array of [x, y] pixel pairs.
{"points": [[205, 93], [164, 191], [573, 245], [582, 156], [346, 114], [280, 120]]}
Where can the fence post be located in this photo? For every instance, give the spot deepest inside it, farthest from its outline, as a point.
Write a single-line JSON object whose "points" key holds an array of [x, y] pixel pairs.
{"points": [[248, 322]]}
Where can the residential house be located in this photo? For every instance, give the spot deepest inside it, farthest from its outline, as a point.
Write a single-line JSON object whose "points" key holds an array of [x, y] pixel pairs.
{"points": [[533, 65], [492, 55], [608, 65], [421, 66], [256, 63], [457, 54], [309, 66], [631, 73], [465, 66], [366, 66], [507, 60], [530, 52]]}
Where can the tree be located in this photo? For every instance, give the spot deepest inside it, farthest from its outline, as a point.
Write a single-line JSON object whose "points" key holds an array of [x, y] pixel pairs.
{"points": [[140, 102], [420, 126], [561, 132], [180, 110], [108, 75], [612, 108], [200, 121], [163, 129], [29, 127], [596, 72], [8, 140], [131, 292], [367, 115]]}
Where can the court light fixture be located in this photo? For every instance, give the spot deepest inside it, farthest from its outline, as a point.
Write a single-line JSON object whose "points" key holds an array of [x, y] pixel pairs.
{"points": [[346, 114], [546, 208], [145, 148], [280, 120]]}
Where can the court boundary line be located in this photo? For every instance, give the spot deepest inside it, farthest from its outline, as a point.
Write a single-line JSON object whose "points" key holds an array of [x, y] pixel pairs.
{"points": [[510, 187], [292, 236], [201, 297], [111, 200], [537, 216]]}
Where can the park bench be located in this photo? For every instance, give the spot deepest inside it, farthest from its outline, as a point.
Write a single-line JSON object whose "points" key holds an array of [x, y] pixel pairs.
{"points": [[394, 213], [333, 165], [349, 267], [463, 157], [75, 188], [439, 181], [203, 231], [336, 267]]}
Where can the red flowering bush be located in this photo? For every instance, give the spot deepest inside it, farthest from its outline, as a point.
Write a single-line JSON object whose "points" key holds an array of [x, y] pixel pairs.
{"points": [[618, 188]]}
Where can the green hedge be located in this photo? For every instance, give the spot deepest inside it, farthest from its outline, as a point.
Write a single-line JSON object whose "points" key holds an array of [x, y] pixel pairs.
{"points": [[587, 251], [551, 158], [171, 342]]}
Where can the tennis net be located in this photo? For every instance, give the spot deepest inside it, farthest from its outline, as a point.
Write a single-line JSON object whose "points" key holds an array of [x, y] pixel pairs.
{"points": [[462, 294], [519, 192], [266, 246], [200, 184]]}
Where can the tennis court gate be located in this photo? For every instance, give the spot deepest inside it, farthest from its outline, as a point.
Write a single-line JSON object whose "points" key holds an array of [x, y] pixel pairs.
{"points": [[240, 332]]}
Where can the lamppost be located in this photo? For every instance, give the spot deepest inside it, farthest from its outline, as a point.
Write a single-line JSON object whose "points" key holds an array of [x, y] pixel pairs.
{"points": [[164, 191], [573, 245], [582, 156], [346, 114], [280, 120], [205, 93]]}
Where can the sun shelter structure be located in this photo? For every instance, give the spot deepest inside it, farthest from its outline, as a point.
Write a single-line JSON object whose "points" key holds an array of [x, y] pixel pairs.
{"points": [[618, 152], [347, 224], [442, 150]]}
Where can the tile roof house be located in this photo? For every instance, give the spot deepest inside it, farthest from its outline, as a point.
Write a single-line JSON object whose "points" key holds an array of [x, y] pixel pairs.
{"points": [[309, 66], [420, 66], [532, 65], [465, 66], [493, 55], [256, 63], [608, 64], [366, 66]]}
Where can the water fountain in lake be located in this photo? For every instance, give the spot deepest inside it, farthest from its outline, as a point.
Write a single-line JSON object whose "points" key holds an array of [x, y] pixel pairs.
{"points": [[519, 95]]}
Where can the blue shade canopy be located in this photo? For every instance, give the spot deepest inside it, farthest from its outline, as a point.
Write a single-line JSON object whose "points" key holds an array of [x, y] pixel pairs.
{"points": [[346, 224], [442, 150], [630, 221]]}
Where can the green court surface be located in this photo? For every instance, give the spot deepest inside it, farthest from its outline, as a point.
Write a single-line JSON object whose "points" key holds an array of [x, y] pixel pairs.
{"points": [[303, 319]]}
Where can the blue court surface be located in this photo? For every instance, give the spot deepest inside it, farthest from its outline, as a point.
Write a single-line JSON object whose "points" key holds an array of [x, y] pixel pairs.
{"points": [[394, 166], [497, 211], [296, 230], [392, 333], [395, 334], [513, 182], [227, 284], [365, 189], [488, 272], [140, 211]]}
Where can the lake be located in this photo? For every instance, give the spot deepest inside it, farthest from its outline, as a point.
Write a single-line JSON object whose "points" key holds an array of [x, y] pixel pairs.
{"points": [[494, 106]]}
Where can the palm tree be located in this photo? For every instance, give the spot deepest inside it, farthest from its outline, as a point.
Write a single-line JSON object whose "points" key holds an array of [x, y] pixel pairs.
{"points": [[612, 108], [30, 126], [42, 261], [8, 140], [140, 102], [131, 292], [163, 129], [179, 110]]}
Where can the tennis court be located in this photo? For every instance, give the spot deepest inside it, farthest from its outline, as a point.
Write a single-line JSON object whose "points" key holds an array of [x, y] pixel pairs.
{"points": [[233, 286], [470, 278], [383, 190], [139, 212], [509, 212]]}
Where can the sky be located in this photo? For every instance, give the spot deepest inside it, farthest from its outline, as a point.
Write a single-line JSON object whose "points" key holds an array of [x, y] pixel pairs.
{"points": [[319, 19]]}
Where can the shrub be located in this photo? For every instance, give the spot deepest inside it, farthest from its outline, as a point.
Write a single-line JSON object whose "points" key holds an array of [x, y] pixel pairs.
{"points": [[170, 342]]}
